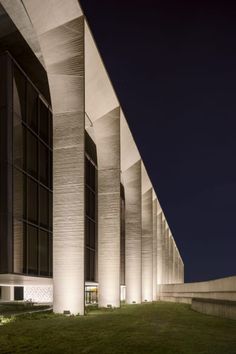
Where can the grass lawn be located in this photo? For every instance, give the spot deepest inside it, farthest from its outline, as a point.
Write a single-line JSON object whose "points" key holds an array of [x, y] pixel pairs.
{"points": [[164, 328]]}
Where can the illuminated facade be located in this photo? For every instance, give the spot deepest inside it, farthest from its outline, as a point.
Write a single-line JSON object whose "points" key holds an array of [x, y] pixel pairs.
{"points": [[80, 221]]}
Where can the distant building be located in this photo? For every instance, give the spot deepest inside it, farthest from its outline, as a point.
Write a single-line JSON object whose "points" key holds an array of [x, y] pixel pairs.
{"points": [[80, 221]]}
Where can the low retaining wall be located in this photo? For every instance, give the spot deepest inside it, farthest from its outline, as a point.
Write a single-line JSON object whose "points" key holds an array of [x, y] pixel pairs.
{"points": [[221, 308], [220, 289]]}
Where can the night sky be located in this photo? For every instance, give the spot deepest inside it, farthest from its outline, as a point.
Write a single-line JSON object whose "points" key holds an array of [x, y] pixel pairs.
{"points": [[173, 66]]}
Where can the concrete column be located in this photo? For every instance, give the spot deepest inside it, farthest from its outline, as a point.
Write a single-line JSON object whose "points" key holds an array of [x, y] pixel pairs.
{"points": [[154, 251], [107, 134], [147, 246], [166, 253], [174, 260], [159, 249], [57, 29], [182, 275], [170, 258], [163, 228], [133, 233]]}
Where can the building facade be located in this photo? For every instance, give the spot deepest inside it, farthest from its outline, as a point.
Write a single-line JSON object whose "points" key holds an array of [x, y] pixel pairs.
{"points": [[80, 222]]}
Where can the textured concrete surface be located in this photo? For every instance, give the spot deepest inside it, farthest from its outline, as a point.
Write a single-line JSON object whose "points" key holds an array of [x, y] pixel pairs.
{"points": [[154, 250], [221, 289], [221, 308], [107, 133], [147, 246], [133, 233]]}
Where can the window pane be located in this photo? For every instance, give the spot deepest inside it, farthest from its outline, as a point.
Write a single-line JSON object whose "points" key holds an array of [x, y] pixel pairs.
{"points": [[87, 264], [50, 255], [50, 169], [19, 88], [43, 164], [87, 173], [92, 205], [32, 107], [50, 211], [92, 177], [43, 253], [50, 129], [32, 154], [43, 122], [92, 234], [18, 246], [19, 189], [87, 192], [18, 142], [87, 231], [43, 200], [32, 250], [32, 200], [92, 263]]}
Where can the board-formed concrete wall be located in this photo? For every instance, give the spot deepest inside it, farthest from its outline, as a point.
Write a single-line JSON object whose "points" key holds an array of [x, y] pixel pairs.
{"points": [[221, 308], [220, 289]]}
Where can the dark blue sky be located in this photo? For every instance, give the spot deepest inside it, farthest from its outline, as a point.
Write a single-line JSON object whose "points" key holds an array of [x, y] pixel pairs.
{"points": [[173, 66]]}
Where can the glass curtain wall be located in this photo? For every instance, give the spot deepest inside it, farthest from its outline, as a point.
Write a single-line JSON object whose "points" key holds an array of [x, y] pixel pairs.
{"points": [[90, 209], [32, 178]]}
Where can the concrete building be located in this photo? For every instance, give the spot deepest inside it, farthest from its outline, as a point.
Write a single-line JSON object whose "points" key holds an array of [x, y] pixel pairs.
{"points": [[80, 221]]}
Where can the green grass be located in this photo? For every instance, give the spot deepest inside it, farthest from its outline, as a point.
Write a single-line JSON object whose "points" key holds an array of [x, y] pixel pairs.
{"points": [[160, 328]]}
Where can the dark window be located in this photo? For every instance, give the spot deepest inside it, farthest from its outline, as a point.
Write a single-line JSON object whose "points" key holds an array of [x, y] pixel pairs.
{"points": [[19, 93], [43, 164], [50, 255], [19, 190], [50, 210], [92, 234], [32, 200], [32, 107], [44, 204], [18, 142], [43, 122], [43, 253], [32, 238], [18, 293], [32, 154], [50, 129]]}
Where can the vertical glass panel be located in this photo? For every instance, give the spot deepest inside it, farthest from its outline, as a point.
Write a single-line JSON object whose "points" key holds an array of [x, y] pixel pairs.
{"points": [[44, 204], [92, 176], [43, 164], [50, 254], [92, 205], [32, 107], [87, 264], [18, 196], [32, 200], [32, 154], [50, 129], [18, 246], [50, 211], [92, 234], [87, 202], [32, 236], [43, 253], [19, 93], [43, 122], [87, 173], [50, 169], [87, 231], [18, 142], [92, 264]]}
